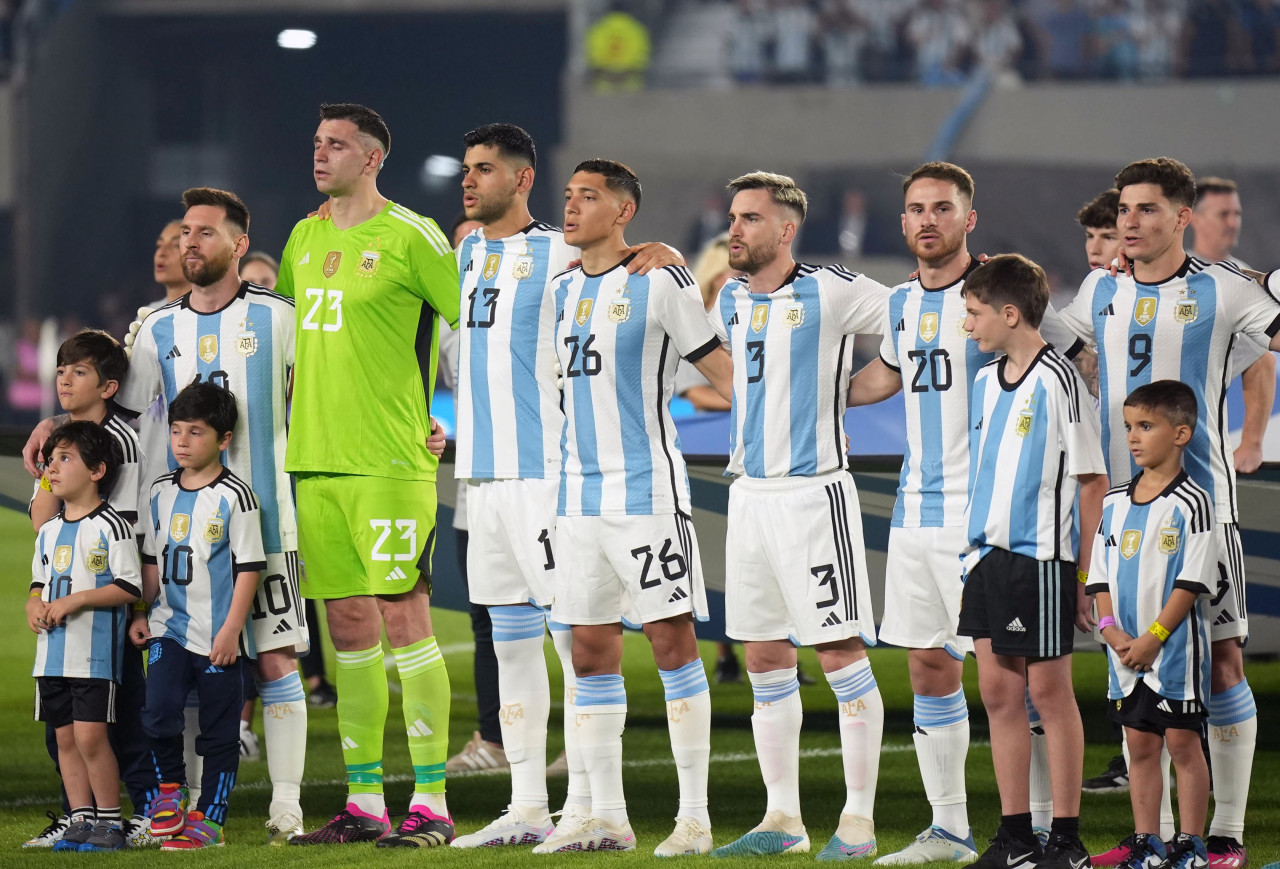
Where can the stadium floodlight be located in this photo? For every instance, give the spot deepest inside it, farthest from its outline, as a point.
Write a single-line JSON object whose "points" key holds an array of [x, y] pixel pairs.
{"points": [[296, 38], [439, 171]]}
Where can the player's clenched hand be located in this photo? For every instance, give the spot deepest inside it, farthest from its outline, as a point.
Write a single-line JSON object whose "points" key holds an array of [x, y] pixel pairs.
{"points": [[1142, 652], [225, 647], [35, 614], [653, 255], [35, 443], [436, 441], [58, 610], [139, 630], [323, 211], [1247, 458]]}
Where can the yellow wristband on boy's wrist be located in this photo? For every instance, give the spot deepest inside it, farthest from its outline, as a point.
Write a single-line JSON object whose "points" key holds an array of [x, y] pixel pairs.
{"points": [[1161, 632], [1082, 576], [141, 606], [36, 593], [44, 484]]}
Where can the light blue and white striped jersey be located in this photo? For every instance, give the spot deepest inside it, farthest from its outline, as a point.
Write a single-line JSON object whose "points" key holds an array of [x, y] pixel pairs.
{"points": [[1029, 442], [1143, 552], [93, 552], [508, 406], [1182, 329], [200, 539], [925, 342], [792, 359], [248, 347], [618, 339], [128, 491]]}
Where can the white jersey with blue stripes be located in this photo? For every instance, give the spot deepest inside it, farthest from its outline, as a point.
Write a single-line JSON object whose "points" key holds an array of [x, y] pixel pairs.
{"points": [[508, 406], [200, 539], [792, 359], [248, 347], [1142, 552], [619, 338], [1181, 329], [925, 341], [1029, 442], [128, 495], [98, 550]]}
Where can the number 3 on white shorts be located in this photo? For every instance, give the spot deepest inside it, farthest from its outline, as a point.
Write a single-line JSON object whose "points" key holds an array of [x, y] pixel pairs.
{"points": [[408, 529]]}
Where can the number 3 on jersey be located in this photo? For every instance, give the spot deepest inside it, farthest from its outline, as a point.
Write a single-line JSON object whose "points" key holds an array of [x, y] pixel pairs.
{"points": [[328, 320], [408, 529]]}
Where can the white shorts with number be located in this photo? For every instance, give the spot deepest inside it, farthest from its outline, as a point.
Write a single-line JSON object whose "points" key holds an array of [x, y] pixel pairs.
{"points": [[511, 552], [1228, 613], [922, 585], [639, 569], [277, 618], [795, 562]]}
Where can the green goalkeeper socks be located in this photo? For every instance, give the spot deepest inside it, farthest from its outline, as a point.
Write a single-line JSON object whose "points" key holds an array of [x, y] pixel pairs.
{"points": [[425, 683], [362, 717]]}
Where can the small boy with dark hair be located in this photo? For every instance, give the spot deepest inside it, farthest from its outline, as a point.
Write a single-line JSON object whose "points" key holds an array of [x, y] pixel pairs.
{"points": [[202, 555], [84, 574], [1033, 443], [1150, 555], [91, 368]]}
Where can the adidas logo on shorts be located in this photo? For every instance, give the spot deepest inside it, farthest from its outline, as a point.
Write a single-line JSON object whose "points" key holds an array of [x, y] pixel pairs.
{"points": [[1016, 626], [1224, 618], [677, 595], [831, 621], [282, 627], [395, 575]]}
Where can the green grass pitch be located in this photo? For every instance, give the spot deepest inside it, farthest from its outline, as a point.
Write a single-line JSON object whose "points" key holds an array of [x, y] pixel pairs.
{"points": [[28, 786]]}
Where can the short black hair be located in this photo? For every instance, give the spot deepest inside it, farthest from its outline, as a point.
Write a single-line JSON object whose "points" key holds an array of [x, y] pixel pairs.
{"points": [[206, 401], [1102, 212], [100, 350], [1215, 184], [1171, 398], [366, 120], [510, 140], [95, 445], [233, 206], [258, 256], [618, 177], [458, 221], [1175, 180], [1011, 279]]}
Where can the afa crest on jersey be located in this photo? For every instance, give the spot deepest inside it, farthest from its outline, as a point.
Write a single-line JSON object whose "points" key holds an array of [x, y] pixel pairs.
{"points": [[1170, 540], [179, 526], [759, 316], [523, 267], [1023, 424], [620, 310], [583, 314], [928, 326], [216, 529], [96, 560], [208, 346], [793, 315], [246, 340], [1145, 311], [1129, 542], [491, 263], [369, 260], [62, 558], [1186, 310]]}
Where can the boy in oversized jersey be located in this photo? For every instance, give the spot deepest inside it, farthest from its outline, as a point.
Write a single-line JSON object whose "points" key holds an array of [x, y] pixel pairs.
{"points": [[91, 367], [84, 573], [372, 282], [202, 555], [1178, 318], [625, 543], [927, 354], [1148, 573], [240, 336], [1033, 446], [795, 562]]}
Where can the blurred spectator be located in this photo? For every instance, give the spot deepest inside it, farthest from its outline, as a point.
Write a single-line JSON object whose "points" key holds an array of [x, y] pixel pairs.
{"points": [[166, 265], [883, 55], [1157, 27], [1208, 37], [941, 39], [1065, 31], [997, 42], [844, 34], [853, 224], [711, 221], [617, 53], [1259, 29], [794, 24], [746, 52], [1115, 49], [711, 271], [25, 392]]}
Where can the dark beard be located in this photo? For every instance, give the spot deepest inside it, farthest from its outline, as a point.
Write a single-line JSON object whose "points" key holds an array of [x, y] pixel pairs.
{"points": [[209, 272]]}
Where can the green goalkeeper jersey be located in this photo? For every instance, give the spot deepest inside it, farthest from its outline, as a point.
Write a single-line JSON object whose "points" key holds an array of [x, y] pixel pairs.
{"points": [[368, 300]]}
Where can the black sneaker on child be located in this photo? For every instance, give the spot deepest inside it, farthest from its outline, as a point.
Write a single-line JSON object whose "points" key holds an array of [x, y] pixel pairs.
{"points": [[1007, 852], [1114, 781], [1064, 852]]}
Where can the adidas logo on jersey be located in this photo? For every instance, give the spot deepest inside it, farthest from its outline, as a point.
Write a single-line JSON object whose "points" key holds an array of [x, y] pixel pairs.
{"points": [[733, 321], [1224, 618], [902, 325], [677, 595], [978, 427], [173, 353], [831, 621], [1111, 540], [1108, 311], [1016, 626], [306, 258], [395, 575], [282, 627]]}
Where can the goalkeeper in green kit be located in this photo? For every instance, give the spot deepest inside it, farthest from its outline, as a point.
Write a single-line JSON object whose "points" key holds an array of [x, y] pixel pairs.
{"points": [[371, 285]]}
